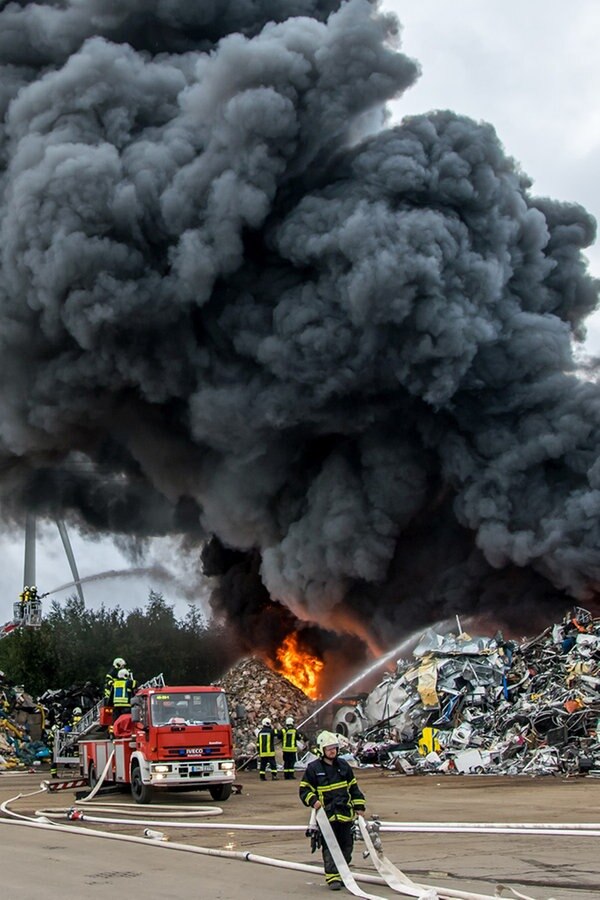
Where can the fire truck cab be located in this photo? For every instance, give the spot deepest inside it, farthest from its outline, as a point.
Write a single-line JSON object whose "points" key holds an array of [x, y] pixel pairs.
{"points": [[176, 738]]}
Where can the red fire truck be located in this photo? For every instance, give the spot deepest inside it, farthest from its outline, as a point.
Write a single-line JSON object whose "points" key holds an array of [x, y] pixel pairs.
{"points": [[177, 738]]}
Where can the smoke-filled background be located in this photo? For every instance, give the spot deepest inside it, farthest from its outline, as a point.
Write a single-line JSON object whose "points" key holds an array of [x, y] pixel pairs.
{"points": [[236, 302]]}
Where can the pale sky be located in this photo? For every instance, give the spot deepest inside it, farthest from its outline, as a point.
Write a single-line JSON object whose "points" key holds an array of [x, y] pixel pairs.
{"points": [[532, 69]]}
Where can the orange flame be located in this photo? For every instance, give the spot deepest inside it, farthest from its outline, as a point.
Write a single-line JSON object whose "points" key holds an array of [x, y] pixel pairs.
{"points": [[299, 666]]}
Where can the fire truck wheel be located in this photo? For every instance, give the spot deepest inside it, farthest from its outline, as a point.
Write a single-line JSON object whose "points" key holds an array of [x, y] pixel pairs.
{"points": [[92, 776], [141, 793], [220, 792]]}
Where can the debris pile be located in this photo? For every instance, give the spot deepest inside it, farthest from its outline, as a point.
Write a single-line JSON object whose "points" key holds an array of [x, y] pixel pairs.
{"points": [[256, 692], [59, 705], [21, 728], [28, 726], [479, 704]]}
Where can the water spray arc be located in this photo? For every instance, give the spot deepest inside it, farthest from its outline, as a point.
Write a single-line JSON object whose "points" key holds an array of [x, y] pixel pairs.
{"points": [[29, 568], [156, 571], [402, 647]]}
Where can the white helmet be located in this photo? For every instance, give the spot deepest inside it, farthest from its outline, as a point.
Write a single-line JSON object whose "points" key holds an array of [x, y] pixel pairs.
{"points": [[266, 721], [119, 662], [123, 673], [327, 739], [289, 720], [77, 711]]}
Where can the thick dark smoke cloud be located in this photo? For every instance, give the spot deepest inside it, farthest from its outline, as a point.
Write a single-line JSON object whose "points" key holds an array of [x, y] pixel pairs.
{"points": [[232, 302]]}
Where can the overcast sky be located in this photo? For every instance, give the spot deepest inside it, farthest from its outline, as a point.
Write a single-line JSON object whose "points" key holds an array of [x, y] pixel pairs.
{"points": [[532, 69]]}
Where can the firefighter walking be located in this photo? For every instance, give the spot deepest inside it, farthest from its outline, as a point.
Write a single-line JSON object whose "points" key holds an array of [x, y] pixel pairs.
{"points": [[329, 782], [266, 750], [289, 742]]}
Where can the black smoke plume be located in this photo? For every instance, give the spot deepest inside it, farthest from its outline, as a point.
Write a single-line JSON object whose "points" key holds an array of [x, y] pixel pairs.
{"points": [[234, 303]]}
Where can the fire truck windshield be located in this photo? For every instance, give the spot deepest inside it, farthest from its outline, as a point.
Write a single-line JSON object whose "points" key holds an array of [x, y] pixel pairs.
{"points": [[195, 708]]}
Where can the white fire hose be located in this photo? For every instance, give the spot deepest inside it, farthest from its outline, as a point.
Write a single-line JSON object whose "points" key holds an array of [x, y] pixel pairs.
{"points": [[389, 875], [559, 829]]}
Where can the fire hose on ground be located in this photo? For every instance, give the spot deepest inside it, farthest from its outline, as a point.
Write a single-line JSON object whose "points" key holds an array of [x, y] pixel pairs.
{"points": [[389, 874]]}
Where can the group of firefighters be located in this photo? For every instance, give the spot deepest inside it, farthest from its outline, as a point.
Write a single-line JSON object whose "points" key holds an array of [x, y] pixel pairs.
{"points": [[328, 782], [265, 740]]}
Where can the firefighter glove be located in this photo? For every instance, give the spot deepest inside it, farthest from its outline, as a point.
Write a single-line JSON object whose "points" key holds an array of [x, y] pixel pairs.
{"points": [[315, 838]]}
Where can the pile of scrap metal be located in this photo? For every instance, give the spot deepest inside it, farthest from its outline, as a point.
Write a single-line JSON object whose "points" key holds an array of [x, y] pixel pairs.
{"points": [[60, 705], [21, 728], [469, 704], [27, 726]]}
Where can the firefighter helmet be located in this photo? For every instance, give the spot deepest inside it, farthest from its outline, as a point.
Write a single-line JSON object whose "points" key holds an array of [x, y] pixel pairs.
{"points": [[77, 711], [289, 720], [119, 662], [123, 673], [327, 739], [266, 721]]}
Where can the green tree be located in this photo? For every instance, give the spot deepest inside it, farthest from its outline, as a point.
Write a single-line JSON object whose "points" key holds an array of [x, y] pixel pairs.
{"points": [[75, 645]]}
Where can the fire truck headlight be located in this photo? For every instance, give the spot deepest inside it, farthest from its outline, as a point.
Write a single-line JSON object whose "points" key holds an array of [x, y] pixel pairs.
{"points": [[161, 769], [227, 766]]}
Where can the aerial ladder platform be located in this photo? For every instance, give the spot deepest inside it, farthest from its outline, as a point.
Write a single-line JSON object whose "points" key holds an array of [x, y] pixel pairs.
{"points": [[65, 742], [27, 613]]}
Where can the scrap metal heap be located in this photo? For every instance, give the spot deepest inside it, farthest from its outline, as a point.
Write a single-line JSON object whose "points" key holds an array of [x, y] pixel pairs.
{"points": [[22, 723], [28, 726], [471, 704]]}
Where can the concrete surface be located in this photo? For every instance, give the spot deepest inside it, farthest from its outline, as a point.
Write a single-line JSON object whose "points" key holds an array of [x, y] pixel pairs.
{"points": [[54, 865]]}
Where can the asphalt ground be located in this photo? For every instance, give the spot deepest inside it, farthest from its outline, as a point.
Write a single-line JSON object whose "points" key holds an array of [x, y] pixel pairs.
{"points": [[541, 866]]}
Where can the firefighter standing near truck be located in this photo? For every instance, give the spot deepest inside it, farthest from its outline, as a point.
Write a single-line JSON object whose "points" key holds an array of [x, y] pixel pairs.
{"points": [[122, 691], [265, 741], [329, 782], [118, 663], [289, 743]]}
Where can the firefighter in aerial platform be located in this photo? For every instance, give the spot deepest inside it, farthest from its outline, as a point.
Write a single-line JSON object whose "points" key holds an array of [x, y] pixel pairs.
{"points": [[19, 607], [266, 750], [329, 782]]}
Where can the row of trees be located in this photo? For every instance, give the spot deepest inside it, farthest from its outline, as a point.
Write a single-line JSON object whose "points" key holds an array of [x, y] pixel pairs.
{"points": [[75, 645]]}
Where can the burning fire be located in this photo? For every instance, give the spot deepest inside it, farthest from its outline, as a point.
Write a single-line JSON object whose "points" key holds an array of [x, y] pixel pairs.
{"points": [[299, 666]]}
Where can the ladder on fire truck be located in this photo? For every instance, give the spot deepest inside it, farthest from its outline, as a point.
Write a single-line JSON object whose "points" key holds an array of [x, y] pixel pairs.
{"points": [[65, 742]]}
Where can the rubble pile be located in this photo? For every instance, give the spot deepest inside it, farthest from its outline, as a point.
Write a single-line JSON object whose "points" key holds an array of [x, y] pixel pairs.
{"points": [[59, 704], [479, 704], [27, 726], [256, 692], [21, 729]]}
